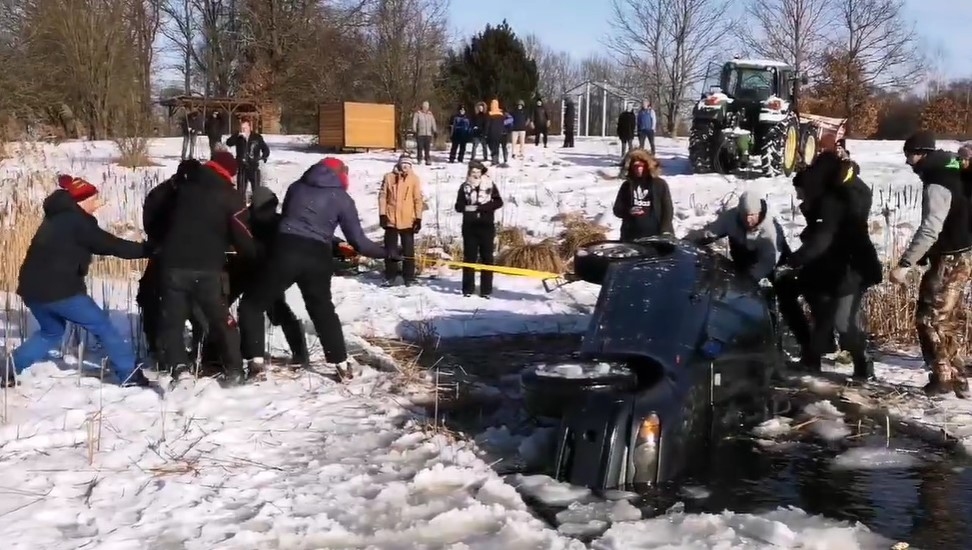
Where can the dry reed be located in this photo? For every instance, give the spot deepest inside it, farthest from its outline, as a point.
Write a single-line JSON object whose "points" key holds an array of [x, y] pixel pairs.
{"points": [[510, 236], [578, 232], [542, 256]]}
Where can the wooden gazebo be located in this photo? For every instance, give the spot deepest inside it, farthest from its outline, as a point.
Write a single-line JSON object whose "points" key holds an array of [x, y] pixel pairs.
{"points": [[264, 115]]}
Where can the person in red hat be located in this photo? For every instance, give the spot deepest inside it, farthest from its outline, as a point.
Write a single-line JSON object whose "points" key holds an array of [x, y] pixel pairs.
{"points": [[51, 281], [314, 206], [207, 219]]}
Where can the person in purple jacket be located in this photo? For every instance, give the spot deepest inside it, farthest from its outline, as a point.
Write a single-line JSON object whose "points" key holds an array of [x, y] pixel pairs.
{"points": [[314, 206]]}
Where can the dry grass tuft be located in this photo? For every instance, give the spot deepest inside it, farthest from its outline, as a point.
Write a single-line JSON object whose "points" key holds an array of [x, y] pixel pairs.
{"points": [[577, 233], [510, 236], [134, 152], [542, 256]]}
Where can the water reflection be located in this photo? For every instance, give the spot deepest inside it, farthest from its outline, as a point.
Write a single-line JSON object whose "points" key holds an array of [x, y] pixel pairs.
{"points": [[928, 505]]}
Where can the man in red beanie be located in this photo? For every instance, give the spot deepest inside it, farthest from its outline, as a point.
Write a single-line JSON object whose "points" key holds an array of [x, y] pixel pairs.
{"points": [[52, 280], [314, 206], [208, 218]]}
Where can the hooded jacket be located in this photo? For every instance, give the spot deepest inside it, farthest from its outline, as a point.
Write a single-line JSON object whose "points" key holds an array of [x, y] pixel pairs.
{"points": [[208, 218], [626, 125], [540, 118], [945, 210], [400, 199], [652, 195], [837, 256], [460, 126], [756, 251], [495, 129], [317, 204], [59, 256], [520, 118]]}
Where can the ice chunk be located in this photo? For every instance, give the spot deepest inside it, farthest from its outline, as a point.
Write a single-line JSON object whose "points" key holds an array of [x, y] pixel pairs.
{"points": [[774, 427], [875, 458], [550, 491], [581, 370]]}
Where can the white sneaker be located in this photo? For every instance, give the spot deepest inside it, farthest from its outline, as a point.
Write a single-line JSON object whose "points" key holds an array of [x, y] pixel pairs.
{"points": [[345, 370]]}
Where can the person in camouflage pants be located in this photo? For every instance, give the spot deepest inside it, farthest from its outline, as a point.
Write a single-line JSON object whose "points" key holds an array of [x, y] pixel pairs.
{"points": [[938, 325], [944, 241]]}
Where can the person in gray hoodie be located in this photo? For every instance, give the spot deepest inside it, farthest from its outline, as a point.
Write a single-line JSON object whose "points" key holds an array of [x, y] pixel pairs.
{"points": [[757, 243], [423, 125]]}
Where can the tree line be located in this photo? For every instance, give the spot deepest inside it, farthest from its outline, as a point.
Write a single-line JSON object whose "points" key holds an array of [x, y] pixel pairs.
{"points": [[91, 67]]}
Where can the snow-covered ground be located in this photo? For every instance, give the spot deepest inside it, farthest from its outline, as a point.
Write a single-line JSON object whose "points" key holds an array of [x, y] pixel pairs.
{"points": [[303, 463]]}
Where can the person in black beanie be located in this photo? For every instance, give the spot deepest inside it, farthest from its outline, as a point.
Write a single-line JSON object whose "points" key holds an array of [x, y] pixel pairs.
{"points": [[943, 240]]}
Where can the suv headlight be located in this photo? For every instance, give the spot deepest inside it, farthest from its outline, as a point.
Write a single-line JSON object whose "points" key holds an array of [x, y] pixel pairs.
{"points": [[645, 454]]}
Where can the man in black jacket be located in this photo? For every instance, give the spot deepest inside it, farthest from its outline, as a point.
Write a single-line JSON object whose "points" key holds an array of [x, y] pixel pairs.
{"points": [[214, 131], [251, 150], [480, 122], [51, 281], [541, 123], [627, 125], [944, 241], [570, 114], [207, 219], [156, 219], [837, 263], [521, 118]]}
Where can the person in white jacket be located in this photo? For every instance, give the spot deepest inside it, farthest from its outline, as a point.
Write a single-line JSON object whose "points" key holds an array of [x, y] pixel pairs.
{"points": [[757, 243]]}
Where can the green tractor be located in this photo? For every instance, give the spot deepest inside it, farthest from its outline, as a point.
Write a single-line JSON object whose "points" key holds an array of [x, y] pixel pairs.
{"points": [[747, 121]]}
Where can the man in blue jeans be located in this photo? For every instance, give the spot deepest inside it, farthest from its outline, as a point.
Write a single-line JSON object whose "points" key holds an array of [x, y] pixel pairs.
{"points": [[52, 280], [646, 126]]}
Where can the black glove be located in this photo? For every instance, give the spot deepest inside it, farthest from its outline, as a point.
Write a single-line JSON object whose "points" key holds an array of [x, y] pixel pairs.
{"points": [[417, 225], [383, 221], [394, 254], [263, 160]]}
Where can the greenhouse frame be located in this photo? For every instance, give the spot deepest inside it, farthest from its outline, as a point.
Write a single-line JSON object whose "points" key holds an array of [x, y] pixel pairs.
{"points": [[597, 107]]}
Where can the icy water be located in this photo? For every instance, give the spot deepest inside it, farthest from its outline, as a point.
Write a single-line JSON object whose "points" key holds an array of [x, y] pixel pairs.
{"points": [[902, 489]]}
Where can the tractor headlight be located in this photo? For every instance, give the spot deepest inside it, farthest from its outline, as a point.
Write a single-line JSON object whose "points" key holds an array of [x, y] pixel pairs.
{"points": [[645, 455]]}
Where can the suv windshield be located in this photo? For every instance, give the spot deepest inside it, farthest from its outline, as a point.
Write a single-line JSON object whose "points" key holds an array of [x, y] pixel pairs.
{"points": [[748, 83]]}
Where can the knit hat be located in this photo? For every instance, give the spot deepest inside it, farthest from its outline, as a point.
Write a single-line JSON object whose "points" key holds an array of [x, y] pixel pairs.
{"points": [[261, 196], [404, 159], [921, 141], [78, 188], [223, 164], [750, 203], [339, 168]]}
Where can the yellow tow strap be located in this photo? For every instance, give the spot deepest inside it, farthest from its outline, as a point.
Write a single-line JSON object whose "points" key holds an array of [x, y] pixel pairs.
{"points": [[502, 269]]}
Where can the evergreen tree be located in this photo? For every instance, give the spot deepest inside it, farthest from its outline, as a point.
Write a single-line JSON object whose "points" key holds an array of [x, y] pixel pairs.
{"points": [[494, 65]]}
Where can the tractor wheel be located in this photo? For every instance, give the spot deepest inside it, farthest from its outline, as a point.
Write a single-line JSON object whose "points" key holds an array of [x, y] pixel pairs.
{"points": [[791, 149], [809, 149], [702, 148], [779, 147]]}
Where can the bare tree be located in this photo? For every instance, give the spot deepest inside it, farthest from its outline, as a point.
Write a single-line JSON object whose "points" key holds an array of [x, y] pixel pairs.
{"points": [[558, 71], [217, 50], [877, 37], [792, 31], [144, 18], [669, 43], [407, 42], [180, 29]]}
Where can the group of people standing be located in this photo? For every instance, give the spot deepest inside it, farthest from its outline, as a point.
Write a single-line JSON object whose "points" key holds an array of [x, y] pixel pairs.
{"points": [[498, 132], [401, 204]]}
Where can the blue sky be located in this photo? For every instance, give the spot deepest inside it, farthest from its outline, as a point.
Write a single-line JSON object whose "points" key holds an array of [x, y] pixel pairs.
{"points": [[577, 26]]}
